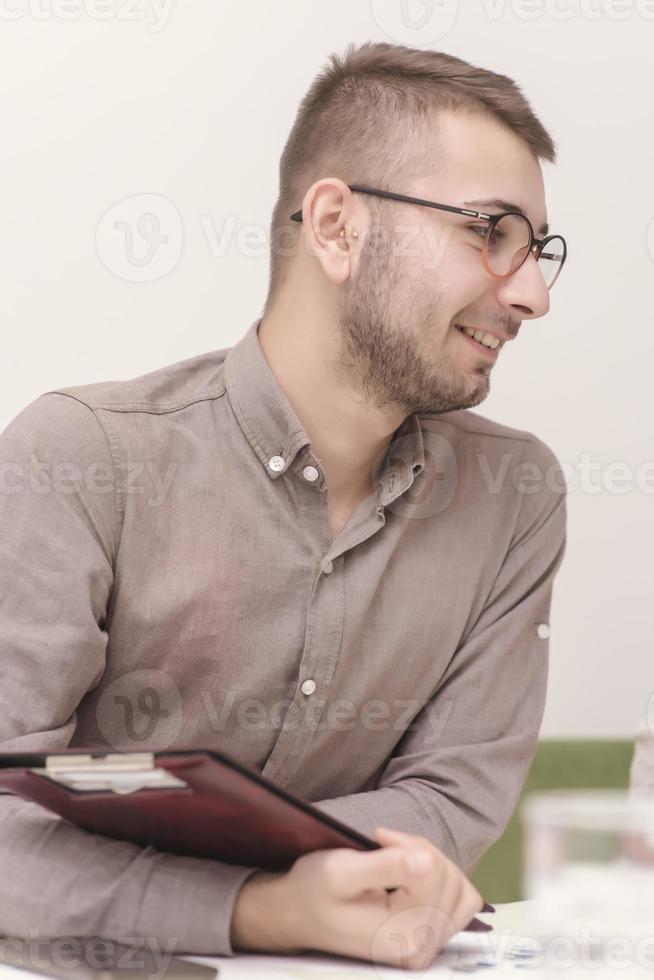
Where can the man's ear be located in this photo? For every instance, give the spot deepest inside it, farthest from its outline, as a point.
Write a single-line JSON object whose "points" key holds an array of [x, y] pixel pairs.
{"points": [[330, 220]]}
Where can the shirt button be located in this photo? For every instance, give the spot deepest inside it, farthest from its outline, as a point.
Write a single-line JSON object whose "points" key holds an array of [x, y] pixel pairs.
{"points": [[543, 631], [308, 687], [276, 463], [310, 473], [328, 567]]}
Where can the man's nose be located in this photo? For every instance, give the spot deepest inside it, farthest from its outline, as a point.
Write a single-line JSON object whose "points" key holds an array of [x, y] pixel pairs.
{"points": [[525, 290]]}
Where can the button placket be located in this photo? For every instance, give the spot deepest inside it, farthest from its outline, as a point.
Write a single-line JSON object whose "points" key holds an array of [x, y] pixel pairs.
{"points": [[323, 638]]}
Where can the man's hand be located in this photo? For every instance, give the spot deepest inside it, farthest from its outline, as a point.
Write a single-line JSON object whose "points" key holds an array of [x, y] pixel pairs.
{"points": [[334, 901]]}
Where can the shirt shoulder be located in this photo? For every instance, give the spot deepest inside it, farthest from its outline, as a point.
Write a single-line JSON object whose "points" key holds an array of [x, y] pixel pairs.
{"points": [[166, 389], [470, 427], [510, 467]]}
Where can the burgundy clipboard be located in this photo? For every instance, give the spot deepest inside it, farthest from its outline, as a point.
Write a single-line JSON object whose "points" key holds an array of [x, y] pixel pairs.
{"points": [[196, 802]]}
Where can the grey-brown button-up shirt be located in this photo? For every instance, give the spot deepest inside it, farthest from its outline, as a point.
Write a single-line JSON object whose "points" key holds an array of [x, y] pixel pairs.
{"points": [[168, 579]]}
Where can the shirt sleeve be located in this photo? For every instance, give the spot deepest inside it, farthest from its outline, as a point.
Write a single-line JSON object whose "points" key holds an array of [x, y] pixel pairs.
{"points": [[59, 530], [457, 772]]}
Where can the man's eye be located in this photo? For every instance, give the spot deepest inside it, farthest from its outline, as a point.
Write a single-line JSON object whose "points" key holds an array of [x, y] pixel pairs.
{"points": [[479, 230]]}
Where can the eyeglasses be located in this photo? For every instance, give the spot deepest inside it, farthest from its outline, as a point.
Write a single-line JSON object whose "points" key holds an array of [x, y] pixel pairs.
{"points": [[508, 237]]}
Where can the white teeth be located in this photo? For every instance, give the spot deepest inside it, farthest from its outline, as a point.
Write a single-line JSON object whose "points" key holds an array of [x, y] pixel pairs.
{"points": [[487, 339]]}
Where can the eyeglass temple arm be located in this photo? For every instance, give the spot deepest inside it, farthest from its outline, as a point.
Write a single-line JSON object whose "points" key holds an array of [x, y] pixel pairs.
{"points": [[297, 215]]}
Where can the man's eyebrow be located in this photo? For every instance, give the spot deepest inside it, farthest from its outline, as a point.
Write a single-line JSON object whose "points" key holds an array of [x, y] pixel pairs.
{"points": [[501, 205]]}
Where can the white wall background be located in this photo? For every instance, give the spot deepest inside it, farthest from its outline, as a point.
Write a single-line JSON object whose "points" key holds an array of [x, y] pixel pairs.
{"points": [[191, 100]]}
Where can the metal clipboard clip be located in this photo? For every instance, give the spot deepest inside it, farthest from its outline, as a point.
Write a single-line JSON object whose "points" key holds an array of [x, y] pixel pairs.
{"points": [[116, 773]]}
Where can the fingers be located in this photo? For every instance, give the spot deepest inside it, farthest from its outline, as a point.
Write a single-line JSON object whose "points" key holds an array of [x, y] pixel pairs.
{"points": [[348, 872], [439, 887], [472, 902], [446, 887]]}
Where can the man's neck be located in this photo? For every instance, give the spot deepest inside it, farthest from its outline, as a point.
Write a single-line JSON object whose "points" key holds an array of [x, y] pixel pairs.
{"points": [[347, 434]]}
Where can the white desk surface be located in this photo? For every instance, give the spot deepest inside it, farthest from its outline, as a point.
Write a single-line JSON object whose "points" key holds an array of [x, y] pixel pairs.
{"points": [[490, 955]]}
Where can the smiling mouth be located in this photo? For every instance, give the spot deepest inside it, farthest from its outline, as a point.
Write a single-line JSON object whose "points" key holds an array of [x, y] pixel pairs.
{"points": [[481, 347]]}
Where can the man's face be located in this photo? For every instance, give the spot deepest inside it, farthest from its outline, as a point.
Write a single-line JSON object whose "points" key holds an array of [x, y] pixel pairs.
{"points": [[421, 275]]}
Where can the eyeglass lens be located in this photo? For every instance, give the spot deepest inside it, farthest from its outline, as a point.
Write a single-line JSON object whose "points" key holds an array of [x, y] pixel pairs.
{"points": [[508, 245]]}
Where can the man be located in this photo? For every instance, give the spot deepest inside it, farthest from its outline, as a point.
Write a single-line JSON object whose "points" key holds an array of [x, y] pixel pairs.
{"points": [[304, 550]]}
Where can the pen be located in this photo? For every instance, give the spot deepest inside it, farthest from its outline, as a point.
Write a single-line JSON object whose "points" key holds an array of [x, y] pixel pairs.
{"points": [[476, 925]]}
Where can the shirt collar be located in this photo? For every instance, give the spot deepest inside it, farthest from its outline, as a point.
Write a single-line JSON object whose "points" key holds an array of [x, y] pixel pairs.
{"points": [[276, 434]]}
